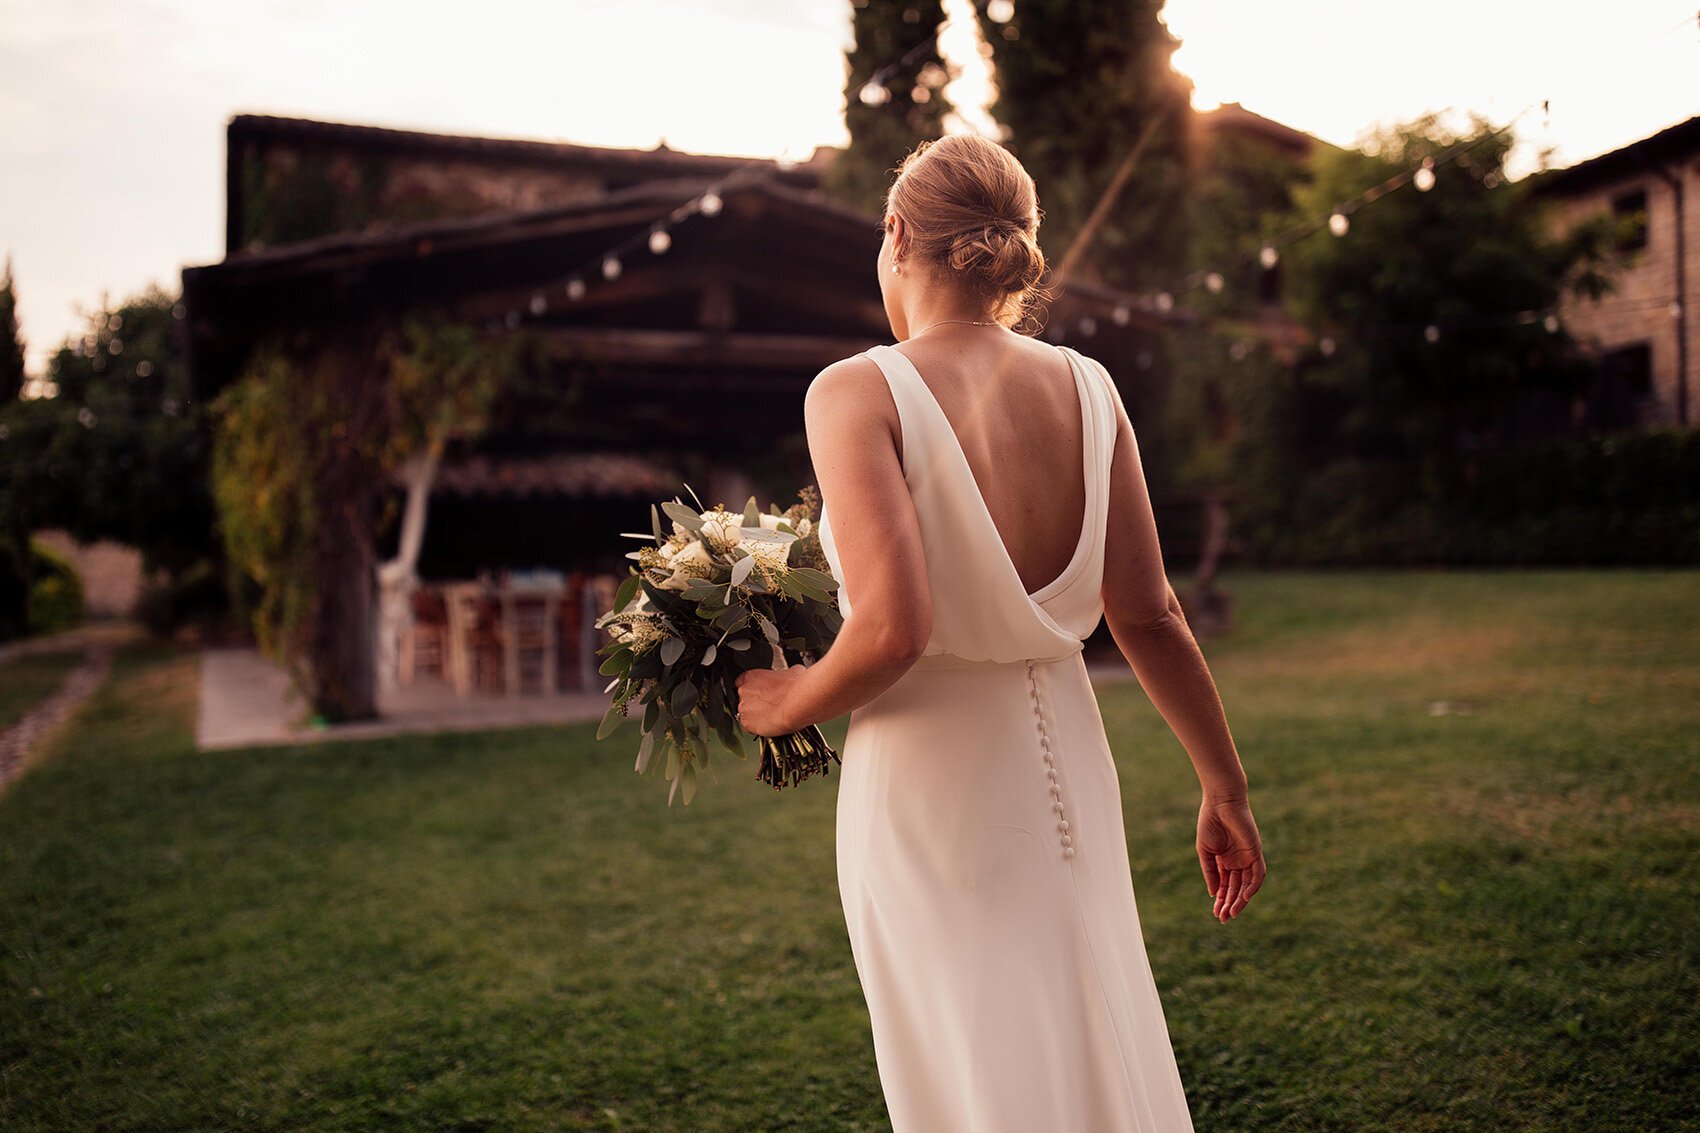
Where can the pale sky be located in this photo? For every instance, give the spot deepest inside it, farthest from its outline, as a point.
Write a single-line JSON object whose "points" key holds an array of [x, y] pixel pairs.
{"points": [[112, 112]]}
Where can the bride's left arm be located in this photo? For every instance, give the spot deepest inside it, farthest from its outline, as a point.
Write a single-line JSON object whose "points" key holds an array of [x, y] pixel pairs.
{"points": [[853, 432]]}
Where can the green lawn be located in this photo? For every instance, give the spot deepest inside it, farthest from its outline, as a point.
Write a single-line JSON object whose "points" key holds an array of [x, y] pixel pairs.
{"points": [[1485, 919], [28, 680]]}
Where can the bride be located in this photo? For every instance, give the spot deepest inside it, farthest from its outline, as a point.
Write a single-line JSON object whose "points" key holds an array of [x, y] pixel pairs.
{"points": [[984, 508]]}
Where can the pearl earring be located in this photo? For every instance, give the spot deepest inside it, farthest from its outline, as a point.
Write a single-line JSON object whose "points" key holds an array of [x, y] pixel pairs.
{"points": [[893, 267]]}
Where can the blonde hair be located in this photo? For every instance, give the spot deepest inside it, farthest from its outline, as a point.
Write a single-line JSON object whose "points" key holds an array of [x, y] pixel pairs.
{"points": [[970, 206]]}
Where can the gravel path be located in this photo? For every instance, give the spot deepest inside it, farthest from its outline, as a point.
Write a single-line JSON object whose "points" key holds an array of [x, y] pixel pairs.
{"points": [[21, 738]]}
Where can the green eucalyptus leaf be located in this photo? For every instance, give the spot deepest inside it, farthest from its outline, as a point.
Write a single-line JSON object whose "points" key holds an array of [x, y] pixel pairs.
{"points": [[691, 521], [684, 698], [644, 750], [611, 720], [628, 589], [818, 579], [671, 650]]}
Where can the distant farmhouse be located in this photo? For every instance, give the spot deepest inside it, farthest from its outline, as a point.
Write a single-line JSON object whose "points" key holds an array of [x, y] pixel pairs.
{"points": [[682, 303], [1646, 333]]}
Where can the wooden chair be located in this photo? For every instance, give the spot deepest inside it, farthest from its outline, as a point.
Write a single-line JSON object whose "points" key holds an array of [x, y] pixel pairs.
{"points": [[531, 657], [485, 644], [424, 644], [569, 640]]}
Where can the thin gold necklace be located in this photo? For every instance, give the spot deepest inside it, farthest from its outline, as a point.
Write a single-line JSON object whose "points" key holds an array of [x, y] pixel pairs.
{"points": [[965, 322]]}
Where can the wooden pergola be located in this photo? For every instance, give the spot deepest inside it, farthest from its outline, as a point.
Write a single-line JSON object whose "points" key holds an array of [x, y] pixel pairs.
{"points": [[704, 349]]}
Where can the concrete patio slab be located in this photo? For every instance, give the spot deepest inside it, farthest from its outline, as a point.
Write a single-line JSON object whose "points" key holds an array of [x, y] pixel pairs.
{"points": [[247, 701]]}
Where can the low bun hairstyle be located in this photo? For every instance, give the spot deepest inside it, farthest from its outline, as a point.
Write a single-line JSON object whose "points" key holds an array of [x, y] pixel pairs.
{"points": [[969, 206]]}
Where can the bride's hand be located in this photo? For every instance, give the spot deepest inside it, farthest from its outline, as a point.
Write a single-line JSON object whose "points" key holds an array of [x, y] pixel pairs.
{"points": [[1231, 852], [764, 700]]}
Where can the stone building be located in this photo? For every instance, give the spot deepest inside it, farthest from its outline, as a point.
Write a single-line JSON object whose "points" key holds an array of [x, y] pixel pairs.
{"points": [[1646, 333]]}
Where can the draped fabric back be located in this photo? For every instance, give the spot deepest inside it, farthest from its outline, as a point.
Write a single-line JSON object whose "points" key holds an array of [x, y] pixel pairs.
{"points": [[981, 609]]}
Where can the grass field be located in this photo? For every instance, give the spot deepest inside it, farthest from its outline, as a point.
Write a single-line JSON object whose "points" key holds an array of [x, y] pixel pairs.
{"points": [[1479, 794], [28, 680]]}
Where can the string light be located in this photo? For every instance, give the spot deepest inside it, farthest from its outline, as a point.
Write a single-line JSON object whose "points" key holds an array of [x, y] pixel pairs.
{"points": [[875, 92], [1424, 177], [658, 237], [1000, 11], [1338, 224]]}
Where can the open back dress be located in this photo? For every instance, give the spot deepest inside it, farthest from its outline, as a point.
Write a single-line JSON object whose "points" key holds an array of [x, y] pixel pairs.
{"points": [[981, 855]]}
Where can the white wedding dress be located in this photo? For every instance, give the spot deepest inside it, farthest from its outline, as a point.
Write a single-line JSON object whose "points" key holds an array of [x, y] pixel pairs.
{"points": [[982, 860]]}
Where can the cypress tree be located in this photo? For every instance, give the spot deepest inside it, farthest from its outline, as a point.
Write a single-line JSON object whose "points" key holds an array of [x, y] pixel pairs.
{"points": [[901, 35], [11, 344], [1079, 82]]}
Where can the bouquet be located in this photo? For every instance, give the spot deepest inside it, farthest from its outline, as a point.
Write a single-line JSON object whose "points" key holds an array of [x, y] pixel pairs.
{"points": [[719, 593]]}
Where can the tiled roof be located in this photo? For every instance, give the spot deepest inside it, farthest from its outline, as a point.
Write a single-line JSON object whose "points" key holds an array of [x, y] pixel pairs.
{"points": [[556, 474]]}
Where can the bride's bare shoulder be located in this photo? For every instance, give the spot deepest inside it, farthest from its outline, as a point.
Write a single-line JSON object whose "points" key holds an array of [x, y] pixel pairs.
{"points": [[850, 392]]}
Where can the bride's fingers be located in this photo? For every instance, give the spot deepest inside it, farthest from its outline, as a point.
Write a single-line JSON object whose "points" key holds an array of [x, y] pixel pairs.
{"points": [[1212, 878], [1252, 883], [1230, 893]]}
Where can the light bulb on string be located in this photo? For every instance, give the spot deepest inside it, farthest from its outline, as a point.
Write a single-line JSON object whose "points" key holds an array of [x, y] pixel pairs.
{"points": [[710, 203], [1551, 324], [1338, 224], [611, 267], [1424, 177], [1268, 256], [660, 241], [1000, 11], [575, 289], [1213, 282], [1120, 315], [1088, 326], [874, 93], [1237, 350], [1326, 345], [539, 304], [1432, 333], [1165, 301]]}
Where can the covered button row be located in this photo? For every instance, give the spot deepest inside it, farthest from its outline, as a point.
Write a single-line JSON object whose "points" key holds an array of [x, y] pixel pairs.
{"points": [[1050, 765]]}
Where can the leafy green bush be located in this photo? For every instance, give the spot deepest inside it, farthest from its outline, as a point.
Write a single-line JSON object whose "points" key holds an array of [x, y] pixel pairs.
{"points": [[1615, 499], [56, 591]]}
